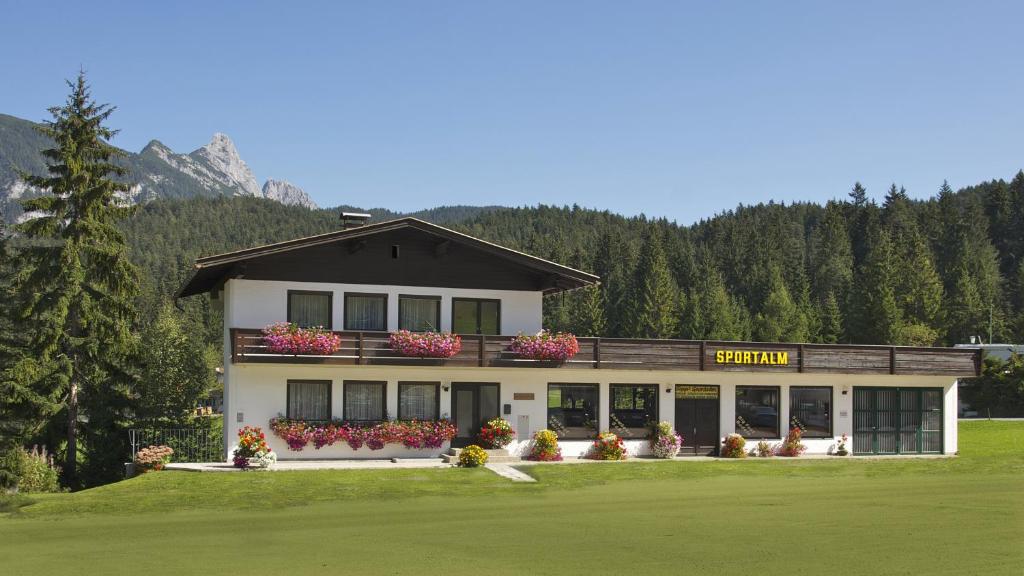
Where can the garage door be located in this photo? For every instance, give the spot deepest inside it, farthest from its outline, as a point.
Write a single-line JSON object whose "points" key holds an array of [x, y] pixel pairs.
{"points": [[897, 420]]}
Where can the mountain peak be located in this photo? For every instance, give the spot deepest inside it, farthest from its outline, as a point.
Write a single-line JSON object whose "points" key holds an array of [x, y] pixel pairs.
{"points": [[221, 157], [287, 193]]}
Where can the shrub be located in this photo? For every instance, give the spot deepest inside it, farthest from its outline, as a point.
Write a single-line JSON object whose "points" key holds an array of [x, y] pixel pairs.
{"points": [[558, 347], [608, 446], [152, 458], [792, 446], [496, 433], [732, 446], [765, 449], [665, 442], [472, 456], [252, 443], [545, 447], [34, 470], [288, 338], [425, 344]]}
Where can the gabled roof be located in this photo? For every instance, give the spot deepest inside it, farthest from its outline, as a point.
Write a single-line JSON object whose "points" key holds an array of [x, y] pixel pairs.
{"points": [[210, 271]]}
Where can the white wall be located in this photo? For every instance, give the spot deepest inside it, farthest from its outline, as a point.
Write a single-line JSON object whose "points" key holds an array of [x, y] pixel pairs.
{"points": [[256, 303], [258, 392]]}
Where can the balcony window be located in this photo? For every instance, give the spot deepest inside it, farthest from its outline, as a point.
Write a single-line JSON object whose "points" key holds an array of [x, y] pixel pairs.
{"points": [[419, 313], [366, 312], [476, 316], [309, 309]]}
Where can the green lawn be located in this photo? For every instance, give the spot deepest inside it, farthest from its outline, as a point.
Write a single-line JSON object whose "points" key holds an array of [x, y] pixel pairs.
{"points": [[844, 516]]}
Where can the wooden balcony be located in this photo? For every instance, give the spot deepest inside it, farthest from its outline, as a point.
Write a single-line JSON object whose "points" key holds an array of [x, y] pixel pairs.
{"points": [[372, 348]]}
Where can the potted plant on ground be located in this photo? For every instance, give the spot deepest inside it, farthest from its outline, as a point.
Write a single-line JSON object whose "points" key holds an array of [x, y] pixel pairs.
{"points": [[841, 447], [496, 434], [152, 458], [792, 446], [608, 446], [545, 447], [732, 446], [665, 442], [252, 450]]}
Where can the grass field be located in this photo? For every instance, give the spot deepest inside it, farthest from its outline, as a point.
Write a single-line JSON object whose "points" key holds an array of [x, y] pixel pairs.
{"points": [[845, 516]]}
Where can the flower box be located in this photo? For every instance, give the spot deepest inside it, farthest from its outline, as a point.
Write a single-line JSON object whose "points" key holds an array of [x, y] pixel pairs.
{"points": [[288, 338], [413, 434], [425, 344], [554, 347]]}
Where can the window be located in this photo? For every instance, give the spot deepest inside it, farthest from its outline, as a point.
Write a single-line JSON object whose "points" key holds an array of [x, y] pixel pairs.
{"points": [[572, 410], [471, 316], [364, 401], [810, 409], [366, 312], [309, 399], [419, 313], [309, 309], [757, 411], [418, 400], [634, 408]]}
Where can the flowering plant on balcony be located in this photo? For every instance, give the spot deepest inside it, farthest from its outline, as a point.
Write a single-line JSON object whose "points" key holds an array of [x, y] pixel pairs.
{"points": [[545, 447], [413, 434], [496, 434], [289, 338], [557, 346], [252, 449], [425, 344]]}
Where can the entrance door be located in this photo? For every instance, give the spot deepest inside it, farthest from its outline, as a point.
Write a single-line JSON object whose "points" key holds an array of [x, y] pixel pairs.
{"points": [[897, 420], [473, 404], [697, 419]]}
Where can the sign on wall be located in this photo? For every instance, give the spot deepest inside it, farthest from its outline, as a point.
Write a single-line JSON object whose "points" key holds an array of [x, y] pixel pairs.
{"points": [[749, 357], [693, 392]]}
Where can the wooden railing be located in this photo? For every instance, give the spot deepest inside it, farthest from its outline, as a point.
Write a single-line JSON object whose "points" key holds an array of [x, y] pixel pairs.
{"points": [[373, 348]]}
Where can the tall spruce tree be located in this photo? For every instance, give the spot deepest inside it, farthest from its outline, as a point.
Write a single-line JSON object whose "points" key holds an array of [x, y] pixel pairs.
{"points": [[79, 286], [711, 313], [878, 319], [780, 318], [831, 320], [654, 296], [588, 312]]}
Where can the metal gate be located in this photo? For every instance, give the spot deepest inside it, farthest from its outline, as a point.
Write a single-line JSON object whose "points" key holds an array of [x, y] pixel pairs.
{"points": [[897, 420]]}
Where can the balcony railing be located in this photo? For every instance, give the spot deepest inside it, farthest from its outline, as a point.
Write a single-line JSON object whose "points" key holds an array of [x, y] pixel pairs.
{"points": [[373, 348]]}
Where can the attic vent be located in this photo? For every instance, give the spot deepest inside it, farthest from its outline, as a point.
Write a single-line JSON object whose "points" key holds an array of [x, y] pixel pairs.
{"points": [[394, 251], [353, 219]]}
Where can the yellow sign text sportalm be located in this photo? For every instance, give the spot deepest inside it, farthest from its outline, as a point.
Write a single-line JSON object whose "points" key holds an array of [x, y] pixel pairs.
{"points": [[752, 357]]}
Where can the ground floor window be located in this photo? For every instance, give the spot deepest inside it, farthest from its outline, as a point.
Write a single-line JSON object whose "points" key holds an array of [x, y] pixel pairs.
{"points": [[757, 411], [364, 401], [309, 399], [810, 409], [418, 400], [633, 409], [572, 410]]}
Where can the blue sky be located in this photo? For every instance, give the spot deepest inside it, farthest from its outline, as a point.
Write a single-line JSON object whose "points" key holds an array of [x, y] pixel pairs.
{"points": [[675, 109]]}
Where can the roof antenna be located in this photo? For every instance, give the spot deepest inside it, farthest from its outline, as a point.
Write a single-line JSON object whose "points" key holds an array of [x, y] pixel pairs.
{"points": [[353, 219]]}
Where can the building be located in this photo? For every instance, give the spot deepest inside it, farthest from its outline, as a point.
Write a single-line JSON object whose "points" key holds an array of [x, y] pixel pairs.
{"points": [[365, 281]]}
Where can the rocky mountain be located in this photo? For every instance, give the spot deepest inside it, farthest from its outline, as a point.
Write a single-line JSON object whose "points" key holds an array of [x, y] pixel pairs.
{"points": [[214, 170]]}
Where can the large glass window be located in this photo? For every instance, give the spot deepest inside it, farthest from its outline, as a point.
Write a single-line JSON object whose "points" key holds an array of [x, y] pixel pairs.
{"points": [[810, 409], [309, 399], [471, 316], [634, 408], [309, 309], [757, 411], [419, 313], [572, 410], [418, 400], [364, 401], [366, 312]]}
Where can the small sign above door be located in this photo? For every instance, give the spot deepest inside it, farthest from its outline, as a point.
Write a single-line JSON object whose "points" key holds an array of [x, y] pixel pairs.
{"points": [[692, 392], [522, 396]]}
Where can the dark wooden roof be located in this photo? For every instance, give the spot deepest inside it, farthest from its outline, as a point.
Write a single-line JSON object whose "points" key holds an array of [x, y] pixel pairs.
{"points": [[428, 255]]}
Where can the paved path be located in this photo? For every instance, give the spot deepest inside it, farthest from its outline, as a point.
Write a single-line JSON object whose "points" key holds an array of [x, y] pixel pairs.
{"points": [[506, 471]]}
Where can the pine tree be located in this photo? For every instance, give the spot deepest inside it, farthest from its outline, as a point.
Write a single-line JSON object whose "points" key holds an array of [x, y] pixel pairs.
{"points": [[174, 374], [878, 319], [831, 320], [920, 288], [612, 263], [780, 319], [711, 312], [588, 312], [832, 255], [81, 284], [654, 296]]}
